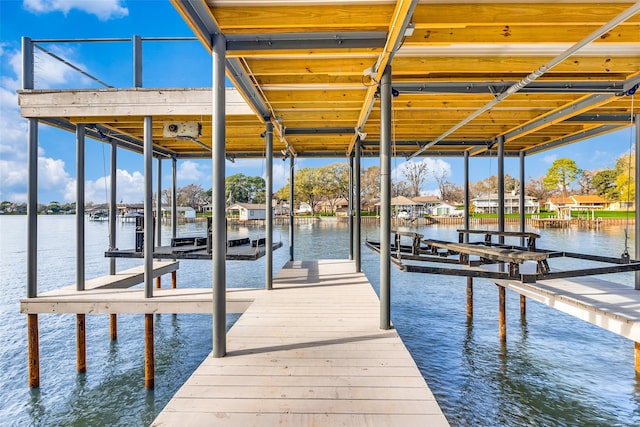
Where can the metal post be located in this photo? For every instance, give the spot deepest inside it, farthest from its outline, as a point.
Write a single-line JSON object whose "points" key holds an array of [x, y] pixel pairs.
{"points": [[357, 246], [501, 186], [137, 61], [32, 211], [148, 207], [350, 216], [27, 63], [522, 195], [269, 207], [80, 207], [112, 205], [637, 199], [218, 220], [385, 199], [174, 198], [467, 200], [291, 205], [159, 204]]}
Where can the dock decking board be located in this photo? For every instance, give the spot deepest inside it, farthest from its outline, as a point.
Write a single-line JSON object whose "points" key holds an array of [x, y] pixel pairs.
{"points": [[612, 306], [308, 352]]}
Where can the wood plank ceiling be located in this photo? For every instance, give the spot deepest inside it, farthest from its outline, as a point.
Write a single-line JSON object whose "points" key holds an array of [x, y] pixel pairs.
{"points": [[312, 68]]}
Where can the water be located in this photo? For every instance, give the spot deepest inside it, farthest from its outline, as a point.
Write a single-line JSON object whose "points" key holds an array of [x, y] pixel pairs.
{"points": [[554, 370]]}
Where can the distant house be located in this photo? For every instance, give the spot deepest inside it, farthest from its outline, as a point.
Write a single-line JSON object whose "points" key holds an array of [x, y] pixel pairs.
{"points": [[488, 203], [247, 211], [333, 206], [404, 204], [577, 202], [445, 209], [185, 212]]}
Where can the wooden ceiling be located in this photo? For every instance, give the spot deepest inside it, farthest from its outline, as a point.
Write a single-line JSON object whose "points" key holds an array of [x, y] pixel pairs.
{"points": [[312, 67]]}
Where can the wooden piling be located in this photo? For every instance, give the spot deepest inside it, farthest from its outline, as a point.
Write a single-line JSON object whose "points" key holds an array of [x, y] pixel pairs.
{"points": [[81, 343], [158, 282], [469, 297], [148, 351], [523, 307], [113, 326], [174, 279], [33, 351], [502, 316], [636, 346]]}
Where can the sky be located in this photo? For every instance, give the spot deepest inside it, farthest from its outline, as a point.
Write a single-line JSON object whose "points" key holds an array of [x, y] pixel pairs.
{"points": [[166, 64]]}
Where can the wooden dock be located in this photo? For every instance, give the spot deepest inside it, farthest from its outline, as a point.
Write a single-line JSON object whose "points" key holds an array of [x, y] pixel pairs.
{"points": [[308, 353], [612, 306]]}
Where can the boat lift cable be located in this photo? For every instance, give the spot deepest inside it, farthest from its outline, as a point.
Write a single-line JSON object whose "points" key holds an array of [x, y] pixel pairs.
{"points": [[516, 87], [80, 70]]}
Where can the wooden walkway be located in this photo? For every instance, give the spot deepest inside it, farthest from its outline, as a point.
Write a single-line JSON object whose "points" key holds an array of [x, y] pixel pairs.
{"points": [[308, 353]]}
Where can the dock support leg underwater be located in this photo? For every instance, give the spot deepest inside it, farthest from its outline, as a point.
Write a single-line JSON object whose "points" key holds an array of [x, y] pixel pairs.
{"points": [[502, 316], [81, 343], [523, 307], [33, 351], [148, 351], [469, 297], [113, 327]]}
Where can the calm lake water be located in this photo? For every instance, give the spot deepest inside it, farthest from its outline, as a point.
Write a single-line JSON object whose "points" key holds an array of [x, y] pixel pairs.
{"points": [[554, 370]]}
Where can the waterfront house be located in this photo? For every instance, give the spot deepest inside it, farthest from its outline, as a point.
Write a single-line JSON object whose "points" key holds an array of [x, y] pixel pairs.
{"points": [[247, 211], [488, 203]]}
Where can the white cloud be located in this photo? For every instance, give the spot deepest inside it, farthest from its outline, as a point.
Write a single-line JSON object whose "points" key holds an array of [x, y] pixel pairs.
{"points": [[103, 9], [129, 186], [550, 158], [190, 171]]}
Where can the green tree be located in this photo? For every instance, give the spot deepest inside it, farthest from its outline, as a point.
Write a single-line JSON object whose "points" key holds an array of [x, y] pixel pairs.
{"points": [[245, 189], [561, 174], [625, 178], [307, 187], [604, 182]]}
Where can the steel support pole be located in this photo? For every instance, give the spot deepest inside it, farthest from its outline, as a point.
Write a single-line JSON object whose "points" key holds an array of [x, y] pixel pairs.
{"points": [[80, 207], [27, 63], [113, 212], [32, 210], [385, 199], [137, 61], [218, 220], [269, 207], [467, 198], [357, 246], [174, 198], [291, 205], [351, 195], [522, 198], [113, 318], [501, 186], [148, 207], [637, 199], [159, 204]]}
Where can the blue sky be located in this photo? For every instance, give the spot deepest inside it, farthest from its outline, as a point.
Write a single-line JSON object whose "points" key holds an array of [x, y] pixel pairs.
{"points": [[189, 67]]}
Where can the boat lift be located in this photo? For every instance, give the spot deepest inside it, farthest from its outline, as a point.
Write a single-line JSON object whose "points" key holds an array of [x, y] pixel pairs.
{"points": [[493, 260]]}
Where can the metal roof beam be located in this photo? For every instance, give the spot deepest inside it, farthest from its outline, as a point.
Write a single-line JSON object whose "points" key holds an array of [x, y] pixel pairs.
{"points": [[600, 118], [499, 87], [306, 41], [572, 138], [199, 14], [558, 115]]}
